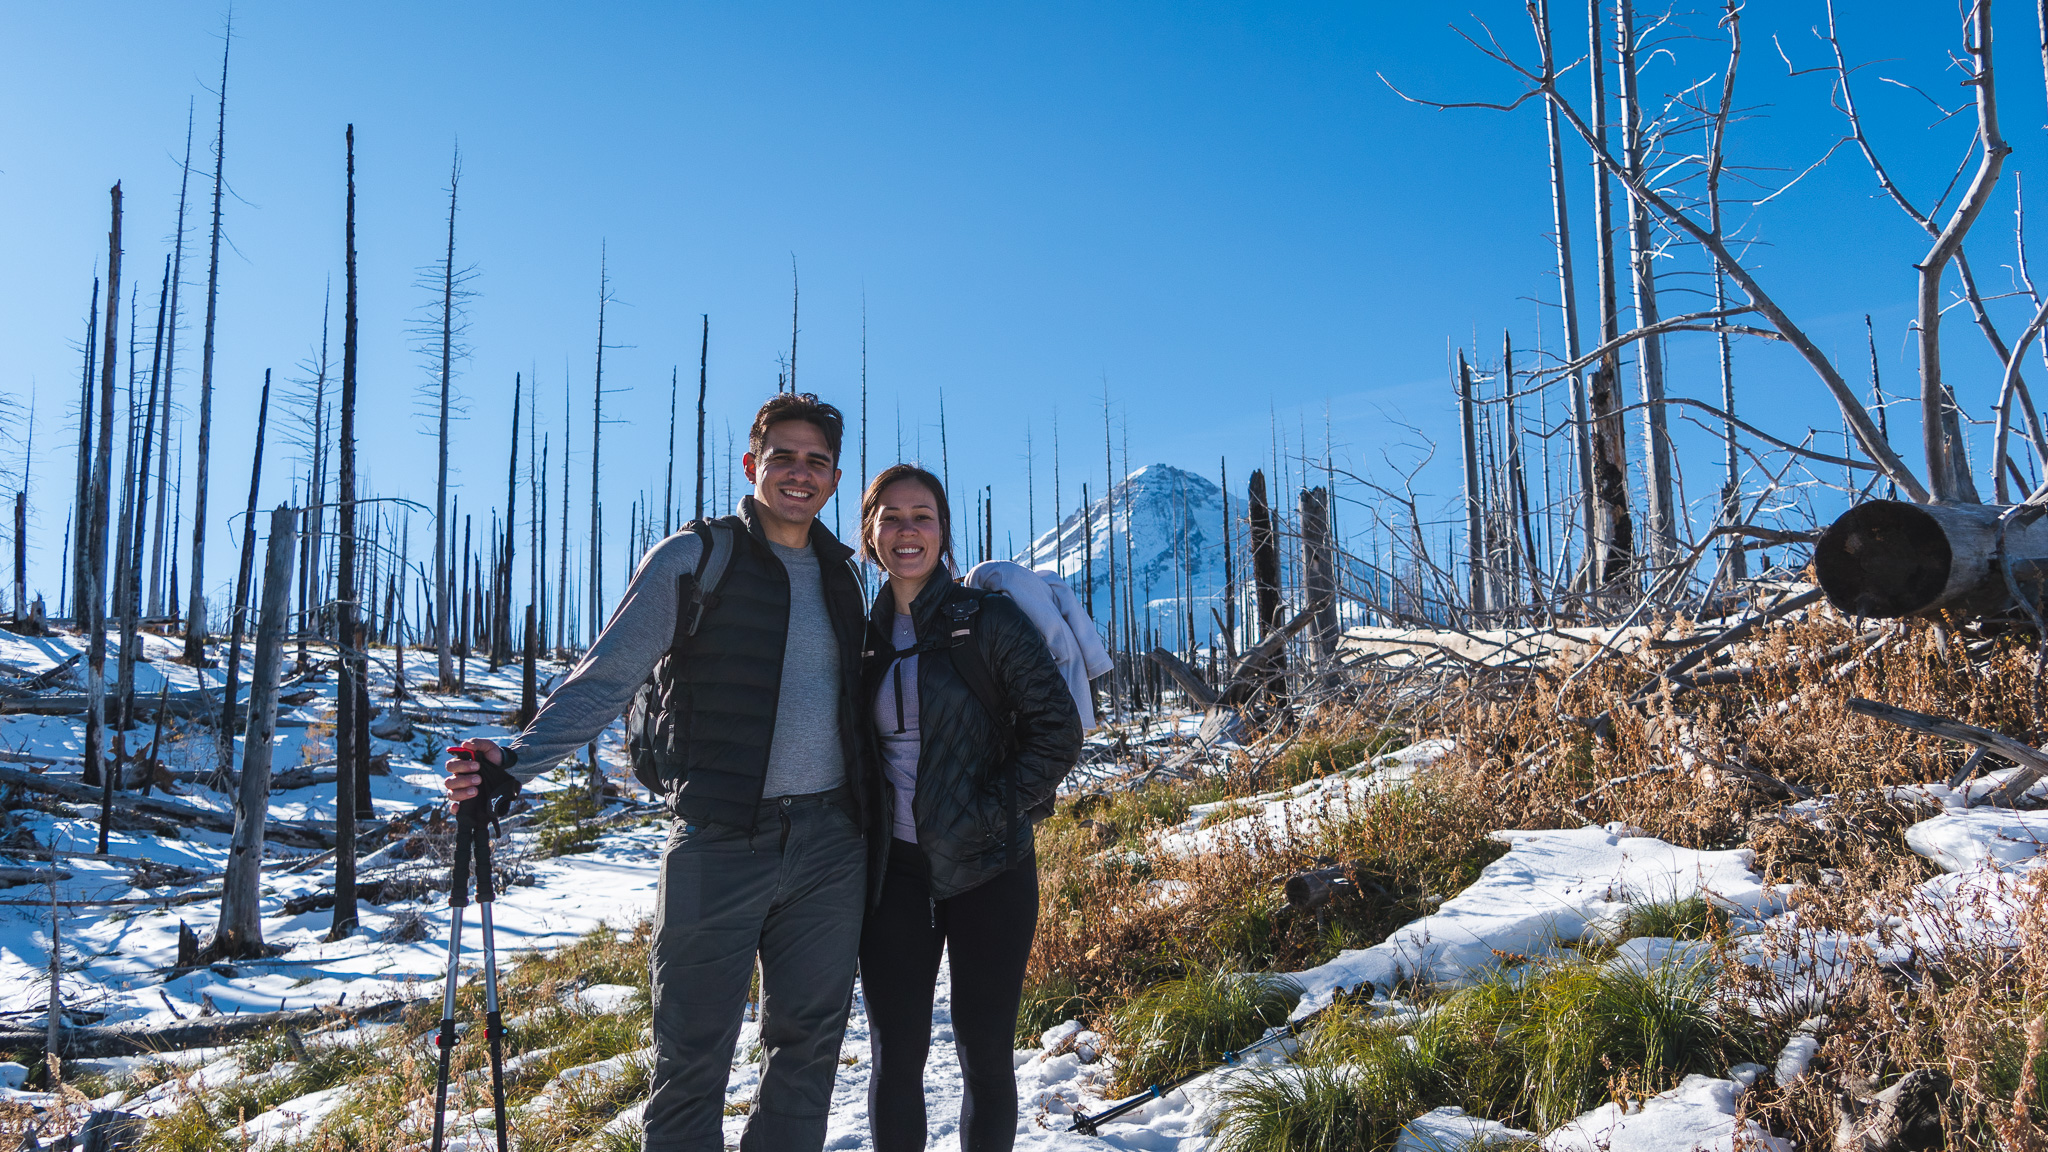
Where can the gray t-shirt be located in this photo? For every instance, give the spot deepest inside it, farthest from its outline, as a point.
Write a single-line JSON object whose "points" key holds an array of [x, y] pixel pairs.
{"points": [[600, 687], [806, 755]]}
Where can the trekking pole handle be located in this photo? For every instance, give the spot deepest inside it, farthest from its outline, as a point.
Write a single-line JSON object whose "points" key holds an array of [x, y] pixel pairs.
{"points": [[468, 817]]}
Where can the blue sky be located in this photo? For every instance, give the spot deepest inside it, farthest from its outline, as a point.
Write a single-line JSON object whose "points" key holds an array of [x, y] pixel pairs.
{"points": [[1218, 212]]}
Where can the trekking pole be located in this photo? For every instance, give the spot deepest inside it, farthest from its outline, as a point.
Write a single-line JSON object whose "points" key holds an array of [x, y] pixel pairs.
{"points": [[1086, 1123], [458, 899], [494, 1027], [472, 846]]}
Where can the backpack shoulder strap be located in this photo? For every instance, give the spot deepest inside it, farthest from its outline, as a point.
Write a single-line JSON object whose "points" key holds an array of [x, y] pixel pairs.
{"points": [[711, 566], [962, 622]]}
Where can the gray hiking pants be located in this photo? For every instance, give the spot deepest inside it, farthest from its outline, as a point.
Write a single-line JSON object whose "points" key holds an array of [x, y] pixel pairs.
{"points": [[792, 891]]}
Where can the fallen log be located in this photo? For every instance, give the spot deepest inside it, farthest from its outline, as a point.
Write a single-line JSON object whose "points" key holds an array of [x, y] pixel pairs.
{"points": [[193, 704], [1887, 558], [120, 902], [47, 676], [297, 833], [1308, 891], [2033, 763], [1189, 680], [79, 1043], [1219, 722]]}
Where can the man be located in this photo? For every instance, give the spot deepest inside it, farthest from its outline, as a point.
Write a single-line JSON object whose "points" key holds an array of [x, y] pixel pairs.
{"points": [[754, 727]]}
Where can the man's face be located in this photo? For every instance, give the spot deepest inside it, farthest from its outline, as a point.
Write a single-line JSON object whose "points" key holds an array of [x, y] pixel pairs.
{"points": [[794, 474]]}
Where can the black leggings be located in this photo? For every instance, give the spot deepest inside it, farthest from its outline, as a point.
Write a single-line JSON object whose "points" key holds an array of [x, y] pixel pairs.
{"points": [[986, 933]]}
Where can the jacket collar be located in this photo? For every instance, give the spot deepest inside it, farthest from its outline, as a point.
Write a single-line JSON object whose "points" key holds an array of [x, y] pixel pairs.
{"points": [[828, 547], [935, 592]]}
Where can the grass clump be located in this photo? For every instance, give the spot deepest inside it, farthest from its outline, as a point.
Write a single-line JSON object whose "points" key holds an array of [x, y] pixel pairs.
{"points": [[1293, 1109], [1585, 1032], [1532, 1047], [1688, 918], [1050, 1000], [581, 1108], [1357, 1083], [1320, 754], [1187, 1025]]}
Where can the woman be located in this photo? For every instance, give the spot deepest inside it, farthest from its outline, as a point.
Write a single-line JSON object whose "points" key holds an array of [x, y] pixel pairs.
{"points": [[961, 787]]}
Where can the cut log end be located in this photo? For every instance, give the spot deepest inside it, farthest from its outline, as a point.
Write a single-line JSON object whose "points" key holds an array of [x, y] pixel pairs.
{"points": [[1883, 559]]}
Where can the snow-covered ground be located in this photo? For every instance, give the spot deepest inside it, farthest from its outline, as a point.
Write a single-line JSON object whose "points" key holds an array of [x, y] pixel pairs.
{"points": [[1551, 887]]}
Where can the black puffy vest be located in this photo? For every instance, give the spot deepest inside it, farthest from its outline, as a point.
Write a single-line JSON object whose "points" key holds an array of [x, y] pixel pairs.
{"points": [[710, 720]]}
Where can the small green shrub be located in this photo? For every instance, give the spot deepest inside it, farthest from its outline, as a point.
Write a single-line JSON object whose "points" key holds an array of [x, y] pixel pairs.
{"points": [[1186, 1025], [560, 822]]}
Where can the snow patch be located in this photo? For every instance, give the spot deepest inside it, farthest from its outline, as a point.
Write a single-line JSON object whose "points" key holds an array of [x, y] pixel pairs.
{"points": [[1964, 840], [1696, 1116], [1548, 889], [1297, 812], [1451, 1130]]}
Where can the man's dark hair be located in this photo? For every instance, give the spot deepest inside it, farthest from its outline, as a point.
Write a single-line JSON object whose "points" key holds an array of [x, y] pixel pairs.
{"points": [[797, 406]]}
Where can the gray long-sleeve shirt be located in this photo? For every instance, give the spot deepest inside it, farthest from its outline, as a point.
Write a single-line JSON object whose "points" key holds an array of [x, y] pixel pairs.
{"points": [[805, 754]]}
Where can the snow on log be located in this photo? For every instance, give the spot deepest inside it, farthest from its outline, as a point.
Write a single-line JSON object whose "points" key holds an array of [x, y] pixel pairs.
{"points": [[80, 1043], [296, 833]]}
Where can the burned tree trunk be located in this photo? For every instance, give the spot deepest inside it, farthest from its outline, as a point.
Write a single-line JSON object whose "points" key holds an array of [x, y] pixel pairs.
{"points": [[596, 440], [94, 600], [82, 500], [528, 686], [195, 621], [240, 932], [1567, 284], [1642, 250], [21, 614], [501, 614], [1319, 571], [1612, 547], [1948, 470], [1475, 545], [134, 522], [703, 366], [241, 609], [346, 725], [1265, 543], [445, 668], [167, 529]]}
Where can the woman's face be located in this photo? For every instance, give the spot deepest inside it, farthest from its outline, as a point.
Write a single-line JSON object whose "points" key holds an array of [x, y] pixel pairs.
{"points": [[906, 531]]}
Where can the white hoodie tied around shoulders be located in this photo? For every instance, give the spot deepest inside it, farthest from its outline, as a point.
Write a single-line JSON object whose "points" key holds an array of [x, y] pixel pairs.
{"points": [[1051, 605]]}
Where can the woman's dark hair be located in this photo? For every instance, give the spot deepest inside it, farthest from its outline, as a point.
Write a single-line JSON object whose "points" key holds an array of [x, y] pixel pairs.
{"points": [[797, 406], [871, 507]]}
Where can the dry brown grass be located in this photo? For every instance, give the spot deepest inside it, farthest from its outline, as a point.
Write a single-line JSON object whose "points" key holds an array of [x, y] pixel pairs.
{"points": [[1117, 920]]}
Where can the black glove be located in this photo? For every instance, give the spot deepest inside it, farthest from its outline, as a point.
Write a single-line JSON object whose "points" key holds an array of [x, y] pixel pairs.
{"points": [[497, 786]]}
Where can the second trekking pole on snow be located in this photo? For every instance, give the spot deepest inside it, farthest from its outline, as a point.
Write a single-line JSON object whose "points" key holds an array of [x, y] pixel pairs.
{"points": [[472, 849]]}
